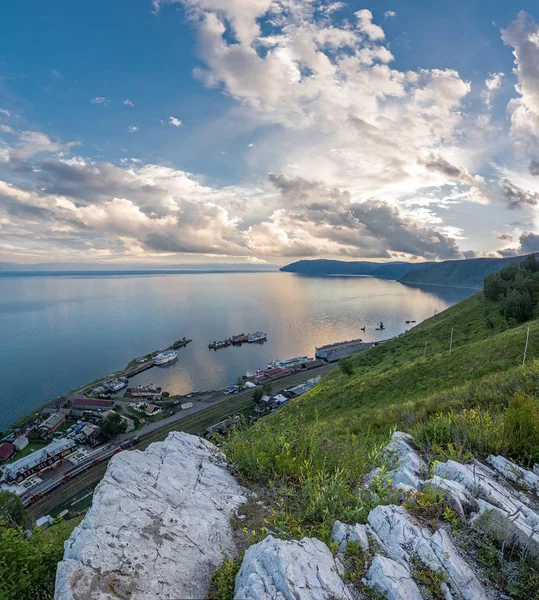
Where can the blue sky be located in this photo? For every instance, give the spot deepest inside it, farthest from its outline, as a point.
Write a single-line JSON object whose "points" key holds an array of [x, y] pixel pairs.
{"points": [[264, 131]]}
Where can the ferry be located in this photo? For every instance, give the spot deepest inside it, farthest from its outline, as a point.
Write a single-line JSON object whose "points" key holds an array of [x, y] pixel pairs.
{"points": [[164, 358], [252, 373], [288, 363], [114, 385], [258, 336], [338, 350]]}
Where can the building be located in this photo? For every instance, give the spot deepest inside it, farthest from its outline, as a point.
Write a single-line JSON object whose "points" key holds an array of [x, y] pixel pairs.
{"points": [[274, 373], [130, 423], [90, 404], [20, 443], [151, 409], [280, 399], [90, 432], [7, 450], [39, 460], [52, 423]]}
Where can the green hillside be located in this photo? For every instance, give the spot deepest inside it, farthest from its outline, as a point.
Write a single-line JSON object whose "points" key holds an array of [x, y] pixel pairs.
{"points": [[477, 399]]}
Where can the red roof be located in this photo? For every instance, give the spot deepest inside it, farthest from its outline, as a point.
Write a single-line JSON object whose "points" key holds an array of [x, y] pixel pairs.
{"points": [[6, 450], [91, 402], [277, 371]]}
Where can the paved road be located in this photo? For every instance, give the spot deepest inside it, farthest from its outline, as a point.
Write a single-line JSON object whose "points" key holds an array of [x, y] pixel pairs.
{"points": [[200, 403]]}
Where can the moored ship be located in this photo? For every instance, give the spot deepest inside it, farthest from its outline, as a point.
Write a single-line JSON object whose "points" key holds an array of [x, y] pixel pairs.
{"points": [[289, 362], [258, 336], [164, 358], [338, 350]]}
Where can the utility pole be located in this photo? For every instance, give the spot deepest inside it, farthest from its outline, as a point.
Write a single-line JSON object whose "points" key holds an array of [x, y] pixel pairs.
{"points": [[451, 341], [526, 346], [425, 352]]}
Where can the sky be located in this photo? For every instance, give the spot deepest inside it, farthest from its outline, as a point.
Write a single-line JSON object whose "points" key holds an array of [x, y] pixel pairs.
{"points": [[267, 131]]}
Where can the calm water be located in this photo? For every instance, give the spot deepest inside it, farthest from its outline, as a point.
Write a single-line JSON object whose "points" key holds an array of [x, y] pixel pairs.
{"points": [[57, 333]]}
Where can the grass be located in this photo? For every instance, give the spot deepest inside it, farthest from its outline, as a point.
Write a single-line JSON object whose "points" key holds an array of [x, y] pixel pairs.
{"points": [[312, 454]]}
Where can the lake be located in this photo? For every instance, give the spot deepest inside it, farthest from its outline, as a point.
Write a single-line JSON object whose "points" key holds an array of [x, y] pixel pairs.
{"points": [[60, 332]]}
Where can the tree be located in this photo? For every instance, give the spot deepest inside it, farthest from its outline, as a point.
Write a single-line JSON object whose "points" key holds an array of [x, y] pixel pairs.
{"points": [[266, 388], [257, 395], [346, 366], [12, 511], [112, 425]]}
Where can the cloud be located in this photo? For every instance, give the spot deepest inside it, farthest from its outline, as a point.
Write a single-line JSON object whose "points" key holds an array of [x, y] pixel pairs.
{"points": [[389, 14], [517, 198], [175, 122], [528, 243], [366, 26], [128, 102], [533, 167], [523, 36], [437, 163], [132, 129], [54, 73], [100, 100], [33, 142], [6, 129], [492, 83], [5, 111]]}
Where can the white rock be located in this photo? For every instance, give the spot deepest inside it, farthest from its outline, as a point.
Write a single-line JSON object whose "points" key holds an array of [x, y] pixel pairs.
{"points": [[407, 465], [289, 570], [481, 481], [455, 494], [158, 525], [401, 539], [514, 473], [344, 533], [392, 580]]}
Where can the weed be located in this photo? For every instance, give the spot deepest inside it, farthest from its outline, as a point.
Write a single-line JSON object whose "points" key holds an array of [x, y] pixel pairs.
{"points": [[431, 579], [222, 582]]}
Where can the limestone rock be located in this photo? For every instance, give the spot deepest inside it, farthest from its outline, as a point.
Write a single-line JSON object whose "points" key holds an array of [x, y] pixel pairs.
{"points": [[481, 481], [158, 525], [392, 580], [344, 533], [408, 466], [289, 570], [455, 494], [400, 538], [514, 473]]}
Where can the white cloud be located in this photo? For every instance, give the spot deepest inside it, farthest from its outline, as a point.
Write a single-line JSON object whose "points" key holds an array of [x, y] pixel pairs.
{"points": [[6, 129], [492, 83], [5, 111], [128, 102], [390, 13], [365, 25], [100, 100], [132, 129], [175, 122]]}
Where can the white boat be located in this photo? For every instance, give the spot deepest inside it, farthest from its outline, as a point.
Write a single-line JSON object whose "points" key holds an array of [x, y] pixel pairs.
{"points": [[253, 373], [258, 336], [289, 362], [164, 358], [115, 385]]}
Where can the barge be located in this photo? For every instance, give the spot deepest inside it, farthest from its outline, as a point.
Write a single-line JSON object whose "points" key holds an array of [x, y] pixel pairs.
{"points": [[338, 350]]}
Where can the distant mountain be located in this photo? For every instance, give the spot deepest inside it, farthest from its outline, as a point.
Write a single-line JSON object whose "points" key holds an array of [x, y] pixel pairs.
{"points": [[468, 272], [390, 270]]}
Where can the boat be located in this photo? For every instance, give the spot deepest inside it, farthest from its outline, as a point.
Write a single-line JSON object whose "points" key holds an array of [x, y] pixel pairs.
{"points": [[144, 391], [338, 350], [289, 362], [258, 336], [114, 385], [164, 358], [252, 373]]}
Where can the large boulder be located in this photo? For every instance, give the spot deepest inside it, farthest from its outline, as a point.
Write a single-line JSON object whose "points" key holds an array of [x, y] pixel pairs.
{"points": [[392, 580], [401, 539], [158, 526], [344, 533], [289, 570]]}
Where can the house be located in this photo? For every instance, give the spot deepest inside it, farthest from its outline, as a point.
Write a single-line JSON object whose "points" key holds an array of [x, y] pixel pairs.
{"points": [[7, 450], [90, 432], [151, 409], [280, 399], [91, 404], [21, 469], [249, 384], [130, 423], [298, 390], [52, 423], [20, 443], [44, 522]]}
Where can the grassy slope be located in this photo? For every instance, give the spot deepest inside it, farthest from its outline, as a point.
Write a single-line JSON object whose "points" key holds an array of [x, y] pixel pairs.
{"points": [[397, 372]]}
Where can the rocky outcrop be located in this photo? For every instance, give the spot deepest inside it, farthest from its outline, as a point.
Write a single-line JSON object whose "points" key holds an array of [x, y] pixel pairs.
{"points": [[401, 539], [344, 533], [392, 580], [158, 526], [279, 570]]}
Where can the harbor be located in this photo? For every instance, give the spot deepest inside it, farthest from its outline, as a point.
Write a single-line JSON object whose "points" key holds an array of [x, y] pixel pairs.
{"points": [[239, 339]]}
